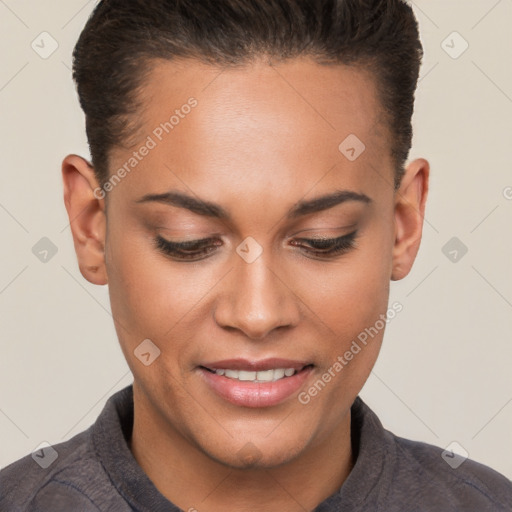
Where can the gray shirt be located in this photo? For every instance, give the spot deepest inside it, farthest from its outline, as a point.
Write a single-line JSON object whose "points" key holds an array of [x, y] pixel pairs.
{"points": [[95, 471]]}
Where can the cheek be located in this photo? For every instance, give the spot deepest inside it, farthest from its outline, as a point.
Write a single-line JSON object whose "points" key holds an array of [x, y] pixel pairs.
{"points": [[152, 297], [350, 300], [142, 294], [352, 306], [351, 293], [147, 302]]}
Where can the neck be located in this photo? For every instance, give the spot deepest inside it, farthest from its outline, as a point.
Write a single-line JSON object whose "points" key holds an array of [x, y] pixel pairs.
{"points": [[193, 481]]}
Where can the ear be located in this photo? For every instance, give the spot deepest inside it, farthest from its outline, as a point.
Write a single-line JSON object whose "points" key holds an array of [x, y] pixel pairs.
{"points": [[410, 201], [85, 205]]}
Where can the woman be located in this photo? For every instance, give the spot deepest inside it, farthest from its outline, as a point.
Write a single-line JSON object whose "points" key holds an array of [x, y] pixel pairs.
{"points": [[248, 205]]}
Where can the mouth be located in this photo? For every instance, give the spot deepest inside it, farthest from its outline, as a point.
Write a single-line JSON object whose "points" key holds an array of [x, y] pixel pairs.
{"points": [[271, 375], [255, 384]]}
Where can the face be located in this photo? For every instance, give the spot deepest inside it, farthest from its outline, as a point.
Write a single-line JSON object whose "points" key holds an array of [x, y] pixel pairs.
{"points": [[253, 250]]}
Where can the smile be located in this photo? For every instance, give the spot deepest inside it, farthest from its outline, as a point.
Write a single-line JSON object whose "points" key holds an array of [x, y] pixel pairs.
{"points": [[261, 376], [263, 384]]}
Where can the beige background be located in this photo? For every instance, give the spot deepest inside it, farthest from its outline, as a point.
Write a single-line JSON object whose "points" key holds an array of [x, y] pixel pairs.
{"points": [[444, 373]]}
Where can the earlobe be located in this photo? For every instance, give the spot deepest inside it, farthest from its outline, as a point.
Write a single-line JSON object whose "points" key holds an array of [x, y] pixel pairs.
{"points": [[410, 202], [87, 217]]}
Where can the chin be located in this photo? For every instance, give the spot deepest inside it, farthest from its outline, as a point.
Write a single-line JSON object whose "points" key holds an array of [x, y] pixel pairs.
{"points": [[256, 456]]}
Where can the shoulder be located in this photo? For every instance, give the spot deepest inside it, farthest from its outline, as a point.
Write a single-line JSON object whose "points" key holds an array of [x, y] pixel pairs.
{"points": [[447, 479], [65, 476], [394, 474]]}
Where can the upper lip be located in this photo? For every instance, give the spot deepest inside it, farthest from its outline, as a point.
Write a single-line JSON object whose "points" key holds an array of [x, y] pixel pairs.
{"points": [[255, 366]]}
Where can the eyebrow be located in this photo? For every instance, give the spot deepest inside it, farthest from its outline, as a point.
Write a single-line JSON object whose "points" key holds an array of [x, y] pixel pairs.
{"points": [[209, 209]]}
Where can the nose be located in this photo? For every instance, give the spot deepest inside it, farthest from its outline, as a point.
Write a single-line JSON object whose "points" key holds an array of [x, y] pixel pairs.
{"points": [[256, 300]]}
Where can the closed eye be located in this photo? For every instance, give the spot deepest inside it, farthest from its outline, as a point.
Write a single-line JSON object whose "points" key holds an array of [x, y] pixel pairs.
{"points": [[327, 247], [188, 250], [195, 250]]}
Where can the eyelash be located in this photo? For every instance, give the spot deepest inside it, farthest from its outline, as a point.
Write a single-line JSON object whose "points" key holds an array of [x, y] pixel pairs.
{"points": [[194, 250]]}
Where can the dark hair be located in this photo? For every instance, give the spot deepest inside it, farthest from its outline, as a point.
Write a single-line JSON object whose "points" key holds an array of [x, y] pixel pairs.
{"points": [[122, 39]]}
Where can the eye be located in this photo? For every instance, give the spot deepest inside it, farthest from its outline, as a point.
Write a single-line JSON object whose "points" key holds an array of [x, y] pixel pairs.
{"points": [[194, 250], [327, 247], [190, 250]]}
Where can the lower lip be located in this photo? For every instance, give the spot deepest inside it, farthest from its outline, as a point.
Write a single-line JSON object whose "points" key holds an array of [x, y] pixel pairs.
{"points": [[255, 394]]}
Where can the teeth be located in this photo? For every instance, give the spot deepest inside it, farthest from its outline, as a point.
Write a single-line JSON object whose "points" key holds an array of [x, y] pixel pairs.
{"points": [[262, 376], [265, 376], [242, 375], [279, 373]]}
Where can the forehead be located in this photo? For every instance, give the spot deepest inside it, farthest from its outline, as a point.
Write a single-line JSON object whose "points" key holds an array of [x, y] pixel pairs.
{"points": [[332, 98], [272, 123]]}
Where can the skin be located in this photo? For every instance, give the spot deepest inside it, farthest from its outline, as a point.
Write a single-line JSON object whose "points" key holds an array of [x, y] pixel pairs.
{"points": [[261, 139]]}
